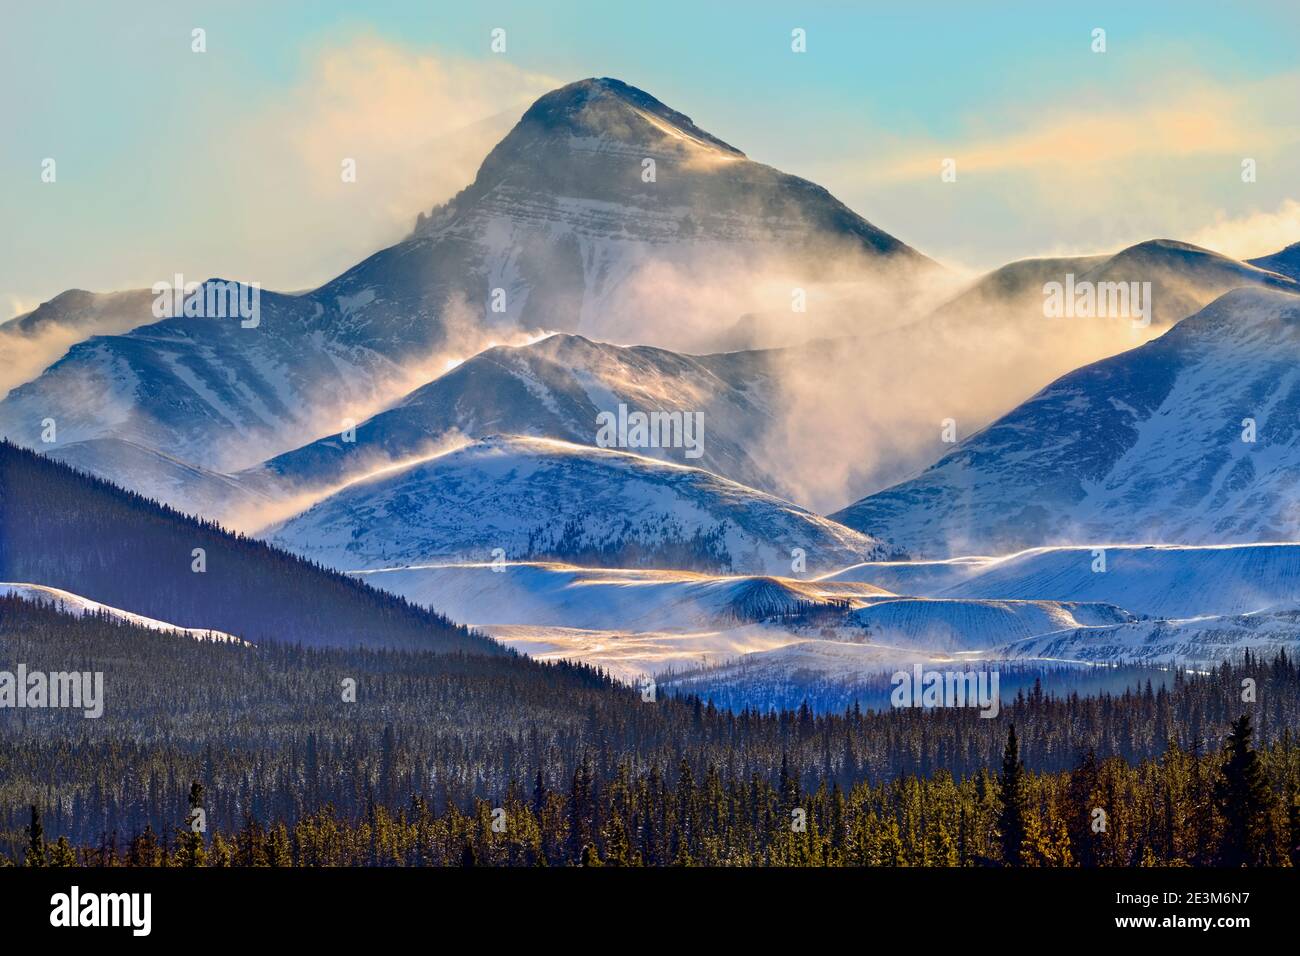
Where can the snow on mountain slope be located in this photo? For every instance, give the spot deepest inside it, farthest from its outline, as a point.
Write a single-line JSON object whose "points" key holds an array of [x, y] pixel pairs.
{"points": [[1286, 262], [160, 477], [919, 578], [532, 497], [630, 655], [1160, 581], [568, 219], [874, 410], [646, 621], [1145, 446], [69, 603], [1184, 279], [1197, 642], [556, 388], [964, 625], [32, 341], [206, 390], [600, 599]]}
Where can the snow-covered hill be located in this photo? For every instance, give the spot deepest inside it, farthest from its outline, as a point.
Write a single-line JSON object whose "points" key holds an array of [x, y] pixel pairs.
{"points": [[921, 578], [1192, 438], [556, 388], [515, 498], [161, 477], [1184, 279], [610, 599], [74, 604], [1160, 581], [941, 626], [1201, 642], [656, 620], [1285, 262]]}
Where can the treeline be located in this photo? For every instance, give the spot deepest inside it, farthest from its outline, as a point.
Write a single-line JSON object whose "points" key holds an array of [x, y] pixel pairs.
{"points": [[271, 736], [758, 684], [1237, 808], [65, 529]]}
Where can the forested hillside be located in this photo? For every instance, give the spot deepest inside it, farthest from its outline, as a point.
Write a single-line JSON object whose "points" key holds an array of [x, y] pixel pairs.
{"points": [[65, 529], [586, 769]]}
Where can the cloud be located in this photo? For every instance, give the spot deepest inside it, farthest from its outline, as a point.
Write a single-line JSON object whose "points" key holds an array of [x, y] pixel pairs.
{"points": [[1085, 171], [1201, 119], [416, 124], [1252, 235]]}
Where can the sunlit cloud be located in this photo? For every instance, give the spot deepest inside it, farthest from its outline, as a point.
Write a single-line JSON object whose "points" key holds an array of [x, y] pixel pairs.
{"points": [[1254, 234], [1204, 119]]}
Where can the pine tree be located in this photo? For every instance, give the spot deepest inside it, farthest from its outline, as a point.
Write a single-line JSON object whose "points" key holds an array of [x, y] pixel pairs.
{"points": [[192, 842], [62, 854], [35, 841], [1086, 840], [1012, 818], [1244, 798]]}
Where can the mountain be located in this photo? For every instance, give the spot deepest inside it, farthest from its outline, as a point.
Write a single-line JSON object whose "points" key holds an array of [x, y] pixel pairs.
{"points": [[538, 498], [562, 218], [1153, 445], [556, 388], [211, 391], [558, 218], [33, 340], [881, 405], [1184, 279], [1286, 262], [63, 529], [90, 313]]}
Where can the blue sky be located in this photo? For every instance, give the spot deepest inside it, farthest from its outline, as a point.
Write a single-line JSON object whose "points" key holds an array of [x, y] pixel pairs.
{"points": [[223, 163]]}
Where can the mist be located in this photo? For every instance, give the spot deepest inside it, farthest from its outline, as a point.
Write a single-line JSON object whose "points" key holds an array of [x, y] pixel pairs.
{"points": [[891, 363]]}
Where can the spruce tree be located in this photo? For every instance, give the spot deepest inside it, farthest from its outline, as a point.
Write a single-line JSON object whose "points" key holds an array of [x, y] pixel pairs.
{"points": [[1086, 842], [1244, 799], [1011, 819], [193, 840], [35, 841]]}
